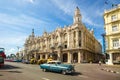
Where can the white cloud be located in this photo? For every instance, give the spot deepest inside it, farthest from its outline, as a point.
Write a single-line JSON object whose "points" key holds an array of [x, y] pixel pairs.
{"points": [[67, 6], [31, 1], [99, 13], [24, 2], [20, 20], [14, 29], [12, 40], [10, 43], [10, 51], [90, 22]]}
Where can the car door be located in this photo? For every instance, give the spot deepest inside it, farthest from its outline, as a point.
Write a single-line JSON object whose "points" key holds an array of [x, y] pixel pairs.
{"points": [[48, 66], [54, 67]]}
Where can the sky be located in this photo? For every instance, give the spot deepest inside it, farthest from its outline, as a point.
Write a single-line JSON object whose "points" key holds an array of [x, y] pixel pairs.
{"points": [[19, 17]]}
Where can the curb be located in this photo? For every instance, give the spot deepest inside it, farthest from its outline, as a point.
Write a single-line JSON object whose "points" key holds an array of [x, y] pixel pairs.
{"points": [[108, 70]]}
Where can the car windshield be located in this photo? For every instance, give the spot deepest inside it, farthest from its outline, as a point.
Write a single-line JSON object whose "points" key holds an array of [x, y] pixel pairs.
{"points": [[1, 49], [1, 59], [58, 62], [54, 63]]}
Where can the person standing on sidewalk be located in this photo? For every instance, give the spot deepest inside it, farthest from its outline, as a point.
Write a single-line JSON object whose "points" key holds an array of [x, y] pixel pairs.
{"points": [[100, 63]]}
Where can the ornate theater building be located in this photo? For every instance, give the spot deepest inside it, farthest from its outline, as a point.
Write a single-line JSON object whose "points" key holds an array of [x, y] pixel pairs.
{"points": [[71, 43]]}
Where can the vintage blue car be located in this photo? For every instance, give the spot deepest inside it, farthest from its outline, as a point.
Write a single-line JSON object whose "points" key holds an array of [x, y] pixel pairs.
{"points": [[57, 66]]}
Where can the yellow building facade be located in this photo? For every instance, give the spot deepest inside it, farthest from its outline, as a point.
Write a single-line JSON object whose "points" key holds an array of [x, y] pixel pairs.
{"points": [[112, 37], [71, 43]]}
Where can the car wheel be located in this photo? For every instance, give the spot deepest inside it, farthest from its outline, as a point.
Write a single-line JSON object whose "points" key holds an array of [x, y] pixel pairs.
{"points": [[44, 70], [64, 72]]}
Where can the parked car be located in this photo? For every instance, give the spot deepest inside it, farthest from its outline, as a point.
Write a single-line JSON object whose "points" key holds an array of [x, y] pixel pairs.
{"points": [[17, 60], [25, 61], [57, 66], [33, 61], [13, 60], [41, 61]]}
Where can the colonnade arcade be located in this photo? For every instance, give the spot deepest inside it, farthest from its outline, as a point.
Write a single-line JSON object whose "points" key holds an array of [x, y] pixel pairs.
{"points": [[77, 56]]}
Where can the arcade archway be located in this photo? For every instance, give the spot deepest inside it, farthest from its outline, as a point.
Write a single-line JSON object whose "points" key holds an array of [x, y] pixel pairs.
{"points": [[75, 57], [65, 57]]}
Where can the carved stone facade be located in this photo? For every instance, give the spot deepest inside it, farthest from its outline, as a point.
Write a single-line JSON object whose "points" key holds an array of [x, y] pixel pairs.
{"points": [[68, 44]]}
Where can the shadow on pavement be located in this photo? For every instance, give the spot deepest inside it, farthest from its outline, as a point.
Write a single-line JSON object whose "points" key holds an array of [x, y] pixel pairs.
{"points": [[11, 72], [5, 67], [76, 74], [15, 71]]}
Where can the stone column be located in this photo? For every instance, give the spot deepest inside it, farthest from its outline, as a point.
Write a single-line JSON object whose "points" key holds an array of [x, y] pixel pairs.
{"points": [[46, 56], [47, 45], [72, 40], [41, 56], [69, 57], [77, 39], [27, 56], [60, 38], [110, 61], [52, 40], [59, 55], [79, 56], [82, 39], [34, 55], [68, 39]]}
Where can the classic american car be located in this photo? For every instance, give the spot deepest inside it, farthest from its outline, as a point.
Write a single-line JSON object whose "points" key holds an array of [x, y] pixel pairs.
{"points": [[57, 66]]}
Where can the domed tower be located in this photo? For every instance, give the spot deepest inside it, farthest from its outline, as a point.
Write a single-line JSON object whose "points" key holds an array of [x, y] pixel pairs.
{"points": [[77, 16]]}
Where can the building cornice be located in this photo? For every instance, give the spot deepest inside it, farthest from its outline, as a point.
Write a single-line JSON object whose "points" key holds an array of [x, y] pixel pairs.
{"points": [[113, 34], [113, 50], [111, 10]]}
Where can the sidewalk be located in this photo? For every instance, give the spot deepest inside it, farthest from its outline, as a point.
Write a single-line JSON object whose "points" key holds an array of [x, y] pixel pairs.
{"points": [[104, 67], [112, 68]]}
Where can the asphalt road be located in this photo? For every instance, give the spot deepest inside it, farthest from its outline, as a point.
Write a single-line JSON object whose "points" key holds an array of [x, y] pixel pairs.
{"points": [[19, 71]]}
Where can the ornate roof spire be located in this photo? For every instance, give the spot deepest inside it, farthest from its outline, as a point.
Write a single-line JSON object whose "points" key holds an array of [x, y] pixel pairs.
{"points": [[77, 15], [77, 11]]}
